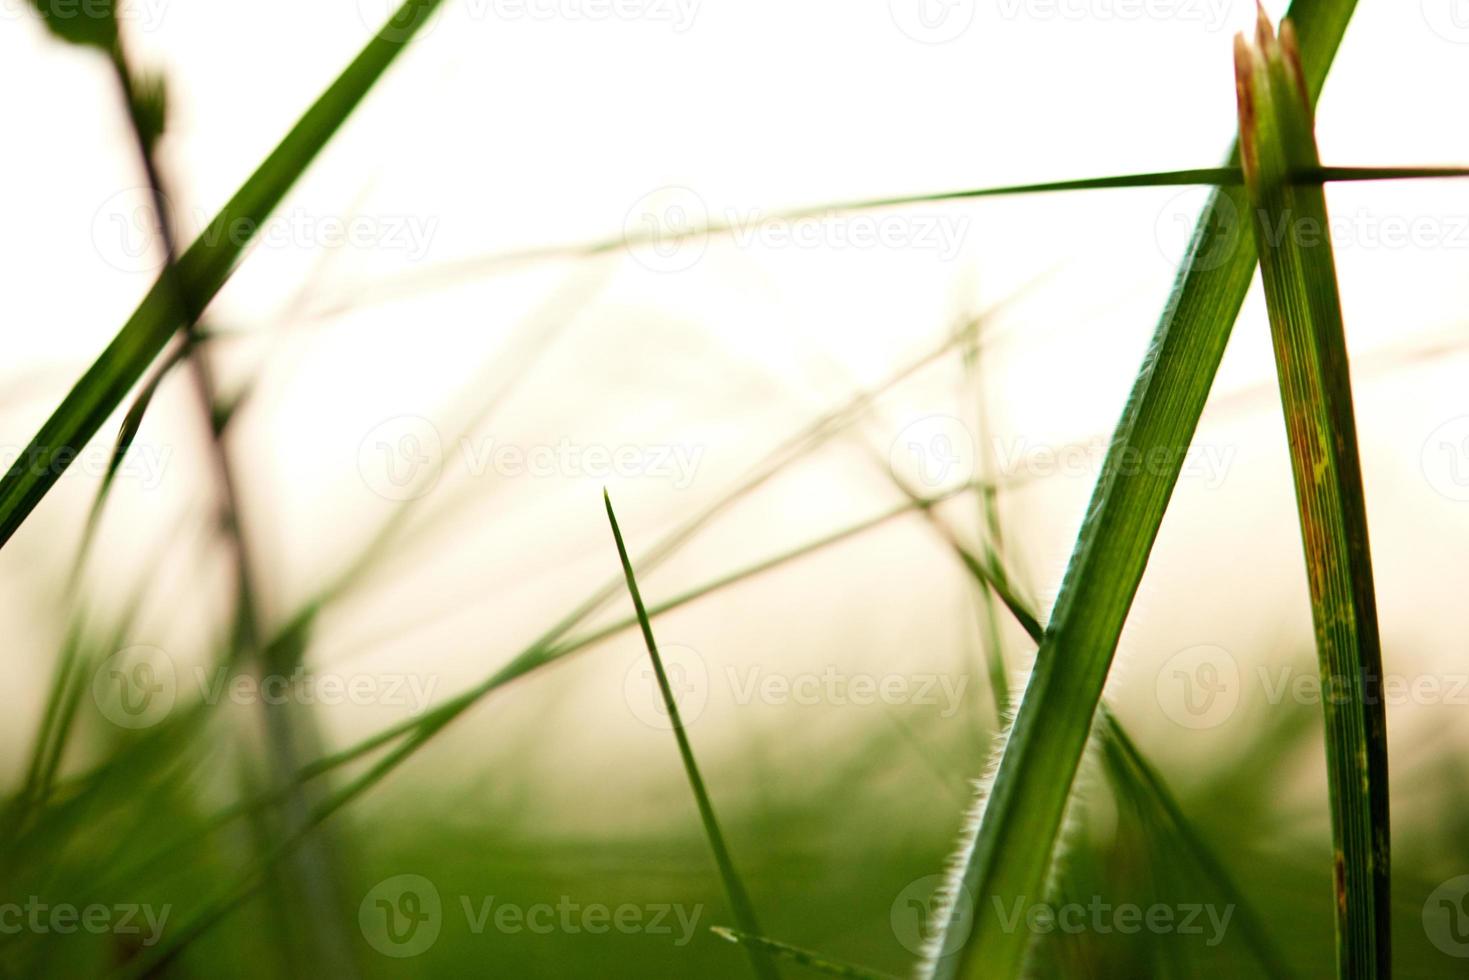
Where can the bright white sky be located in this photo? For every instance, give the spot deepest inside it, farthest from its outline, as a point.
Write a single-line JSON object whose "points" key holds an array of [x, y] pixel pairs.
{"points": [[521, 125]]}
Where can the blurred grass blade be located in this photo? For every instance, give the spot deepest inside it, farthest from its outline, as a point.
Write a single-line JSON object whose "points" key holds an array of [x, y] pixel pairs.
{"points": [[1296, 262], [1134, 774], [797, 955], [445, 713], [739, 899], [96, 26], [1007, 856], [203, 269], [51, 735]]}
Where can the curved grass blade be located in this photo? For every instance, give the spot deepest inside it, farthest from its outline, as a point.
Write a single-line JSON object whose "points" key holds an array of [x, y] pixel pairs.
{"points": [[1296, 262], [797, 955], [204, 269], [1008, 857], [739, 899]]}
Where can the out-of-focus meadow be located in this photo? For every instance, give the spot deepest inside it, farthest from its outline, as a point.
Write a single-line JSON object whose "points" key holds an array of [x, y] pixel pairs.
{"points": [[429, 395]]}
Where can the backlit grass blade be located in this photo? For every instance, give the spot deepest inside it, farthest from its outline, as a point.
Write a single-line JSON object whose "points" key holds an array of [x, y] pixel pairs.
{"points": [[1297, 265], [1230, 176], [739, 899], [1007, 857], [802, 957], [204, 269]]}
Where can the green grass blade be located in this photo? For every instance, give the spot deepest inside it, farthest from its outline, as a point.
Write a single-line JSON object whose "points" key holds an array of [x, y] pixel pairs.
{"points": [[799, 956], [1008, 855], [739, 899], [1229, 176], [1297, 265], [418, 732], [523, 665], [1131, 769], [204, 268]]}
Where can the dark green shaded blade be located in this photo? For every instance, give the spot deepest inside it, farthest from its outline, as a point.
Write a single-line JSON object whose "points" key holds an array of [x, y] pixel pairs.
{"points": [[1009, 855], [1299, 271]]}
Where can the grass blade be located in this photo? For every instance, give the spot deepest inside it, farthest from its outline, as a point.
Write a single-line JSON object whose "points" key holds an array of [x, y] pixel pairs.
{"points": [[1299, 272], [203, 269], [799, 956], [1008, 855], [739, 899], [1132, 770]]}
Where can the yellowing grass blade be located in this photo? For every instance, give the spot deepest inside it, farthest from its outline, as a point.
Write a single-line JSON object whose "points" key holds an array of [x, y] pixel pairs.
{"points": [[1299, 272], [1006, 856]]}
